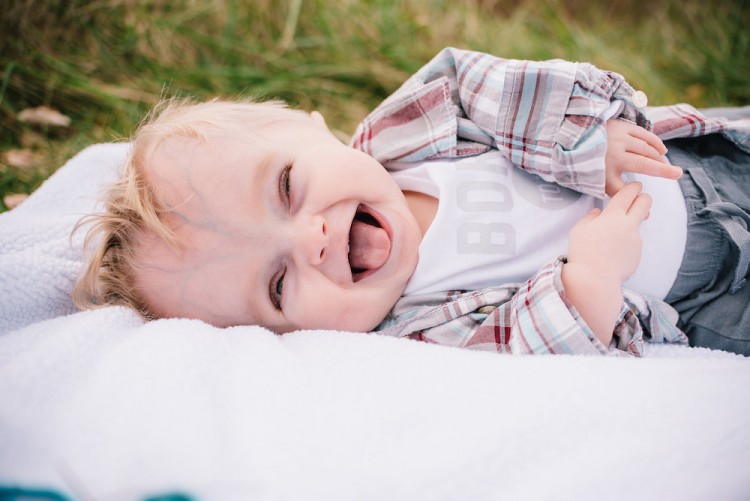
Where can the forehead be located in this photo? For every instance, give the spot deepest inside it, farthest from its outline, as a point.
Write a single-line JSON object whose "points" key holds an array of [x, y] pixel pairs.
{"points": [[196, 182], [264, 131], [177, 160], [207, 190], [224, 150], [189, 281]]}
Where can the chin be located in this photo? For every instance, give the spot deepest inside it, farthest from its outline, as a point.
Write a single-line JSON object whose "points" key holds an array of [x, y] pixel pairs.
{"points": [[364, 323]]}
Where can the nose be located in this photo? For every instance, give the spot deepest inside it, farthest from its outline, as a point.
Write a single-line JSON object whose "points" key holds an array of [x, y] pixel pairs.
{"points": [[311, 240]]}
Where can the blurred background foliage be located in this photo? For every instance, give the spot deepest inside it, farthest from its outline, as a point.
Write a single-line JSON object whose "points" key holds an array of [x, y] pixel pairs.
{"points": [[103, 63]]}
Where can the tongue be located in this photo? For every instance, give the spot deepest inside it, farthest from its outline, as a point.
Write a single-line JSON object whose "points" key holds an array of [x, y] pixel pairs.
{"points": [[368, 246]]}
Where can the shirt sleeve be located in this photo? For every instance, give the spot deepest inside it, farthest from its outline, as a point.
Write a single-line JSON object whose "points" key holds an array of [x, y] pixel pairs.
{"points": [[535, 318], [543, 321], [546, 117]]}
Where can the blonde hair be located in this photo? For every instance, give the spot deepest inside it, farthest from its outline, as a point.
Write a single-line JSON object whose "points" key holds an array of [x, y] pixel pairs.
{"points": [[131, 207]]}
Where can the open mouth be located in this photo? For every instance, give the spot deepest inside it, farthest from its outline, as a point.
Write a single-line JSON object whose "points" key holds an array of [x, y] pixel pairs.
{"points": [[369, 243]]}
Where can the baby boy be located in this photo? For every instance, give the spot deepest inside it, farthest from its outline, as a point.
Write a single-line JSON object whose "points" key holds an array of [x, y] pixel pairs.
{"points": [[240, 213]]}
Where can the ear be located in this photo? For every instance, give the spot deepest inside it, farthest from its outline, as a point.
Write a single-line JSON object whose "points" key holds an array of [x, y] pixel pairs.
{"points": [[320, 123], [318, 119]]}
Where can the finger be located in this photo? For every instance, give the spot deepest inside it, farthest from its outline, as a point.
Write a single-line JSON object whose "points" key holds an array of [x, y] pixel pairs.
{"points": [[641, 207], [651, 138], [650, 167], [640, 147], [614, 184], [592, 214], [623, 199]]}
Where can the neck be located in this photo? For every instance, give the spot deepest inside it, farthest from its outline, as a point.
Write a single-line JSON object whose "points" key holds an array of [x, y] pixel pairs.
{"points": [[423, 207]]}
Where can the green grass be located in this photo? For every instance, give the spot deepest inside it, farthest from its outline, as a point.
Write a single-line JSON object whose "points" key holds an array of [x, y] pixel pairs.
{"points": [[104, 63]]}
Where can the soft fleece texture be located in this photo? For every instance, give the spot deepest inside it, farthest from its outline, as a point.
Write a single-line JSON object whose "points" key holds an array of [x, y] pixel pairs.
{"points": [[99, 405]]}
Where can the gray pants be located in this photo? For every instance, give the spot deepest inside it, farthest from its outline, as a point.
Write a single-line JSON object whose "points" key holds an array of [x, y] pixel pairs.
{"points": [[710, 292]]}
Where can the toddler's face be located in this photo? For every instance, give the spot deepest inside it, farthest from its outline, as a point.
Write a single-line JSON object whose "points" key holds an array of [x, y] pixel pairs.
{"points": [[294, 231]]}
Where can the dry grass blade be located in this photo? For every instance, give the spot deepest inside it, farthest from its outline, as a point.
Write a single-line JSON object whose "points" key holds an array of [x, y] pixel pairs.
{"points": [[13, 200], [44, 115]]}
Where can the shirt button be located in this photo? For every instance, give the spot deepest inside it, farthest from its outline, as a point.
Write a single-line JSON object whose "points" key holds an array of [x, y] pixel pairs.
{"points": [[640, 100]]}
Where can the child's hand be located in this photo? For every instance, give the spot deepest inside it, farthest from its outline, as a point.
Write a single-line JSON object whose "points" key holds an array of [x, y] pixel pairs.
{"points": [[604, 249], [631, 148], [609, 241]]}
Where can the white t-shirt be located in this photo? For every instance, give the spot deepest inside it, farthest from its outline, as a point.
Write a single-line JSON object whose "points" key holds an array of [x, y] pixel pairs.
{"points": [[497, 224]]}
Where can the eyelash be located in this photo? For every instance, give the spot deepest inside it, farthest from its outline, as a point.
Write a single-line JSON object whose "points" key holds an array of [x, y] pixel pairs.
{"points": [[285, 185], [276, 287]]}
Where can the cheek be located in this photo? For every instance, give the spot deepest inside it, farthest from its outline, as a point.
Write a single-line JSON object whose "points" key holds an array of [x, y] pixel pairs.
{"points": [[331, 307], [357, 166]]}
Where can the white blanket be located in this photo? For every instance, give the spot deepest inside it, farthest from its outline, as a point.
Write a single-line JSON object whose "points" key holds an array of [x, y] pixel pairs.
{"points": [[99, 405]]}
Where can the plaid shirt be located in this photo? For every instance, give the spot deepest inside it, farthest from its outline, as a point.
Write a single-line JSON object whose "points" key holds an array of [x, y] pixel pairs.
{"points": [[546, 118]]}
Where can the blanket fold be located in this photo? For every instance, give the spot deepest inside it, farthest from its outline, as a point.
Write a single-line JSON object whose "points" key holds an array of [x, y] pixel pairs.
{"points": [[39, 259]]}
